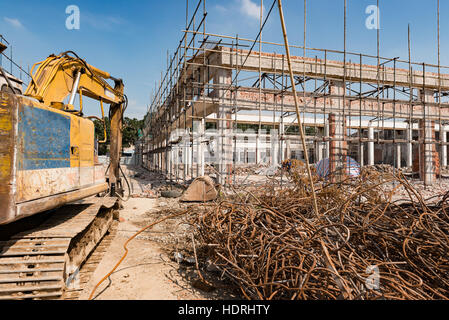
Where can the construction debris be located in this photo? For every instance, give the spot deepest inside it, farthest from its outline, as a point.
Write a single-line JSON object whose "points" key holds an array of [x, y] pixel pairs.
{"points": [[202, 189], [171, 193], [363, 245], [248, 169], [385, 168]]}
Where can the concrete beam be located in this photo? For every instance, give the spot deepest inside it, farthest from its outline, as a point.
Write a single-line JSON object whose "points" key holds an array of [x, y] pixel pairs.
{"points": [[330, 69]]}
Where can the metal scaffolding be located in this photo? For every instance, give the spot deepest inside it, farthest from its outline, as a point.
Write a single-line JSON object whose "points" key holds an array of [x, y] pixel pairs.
{"points": [[220, 103]]}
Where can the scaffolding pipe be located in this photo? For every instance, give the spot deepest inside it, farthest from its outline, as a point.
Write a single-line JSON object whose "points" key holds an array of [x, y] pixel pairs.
{"points": [[301, 128]]}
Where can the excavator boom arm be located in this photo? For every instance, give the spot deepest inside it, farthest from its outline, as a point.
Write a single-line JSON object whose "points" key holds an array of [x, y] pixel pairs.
{"points": [[58, 77]]}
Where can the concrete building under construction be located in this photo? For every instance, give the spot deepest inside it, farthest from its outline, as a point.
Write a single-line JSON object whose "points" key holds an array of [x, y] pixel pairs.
{"points": [[226, 101]]}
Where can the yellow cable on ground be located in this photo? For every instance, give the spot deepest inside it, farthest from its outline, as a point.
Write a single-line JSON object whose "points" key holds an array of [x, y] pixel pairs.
{"points": [[126, 249]]}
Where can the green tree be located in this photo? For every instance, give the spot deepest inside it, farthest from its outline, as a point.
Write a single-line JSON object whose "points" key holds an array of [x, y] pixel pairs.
{"points": [[103, 148], [131, 128]]}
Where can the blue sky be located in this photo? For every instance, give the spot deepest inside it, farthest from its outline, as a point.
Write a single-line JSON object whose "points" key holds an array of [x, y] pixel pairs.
{"points": [[130, 38]]}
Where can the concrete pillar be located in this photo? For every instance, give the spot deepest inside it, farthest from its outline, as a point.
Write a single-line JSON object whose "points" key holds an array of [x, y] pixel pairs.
{"points": [[338, 147], [185, 157], [319, 150], [398, 156], [153, 161], [288, 150], [200, 150], [427, 150], [362, 155], [274, 143], [166, 156], [371, 146], [222, 80], [337, 131], [258, 148], [171, 173], [177, 149], [429, 161], [162, 163], [443, 138], [410, 145], [189, 158], [327, 143], [281, 142]]}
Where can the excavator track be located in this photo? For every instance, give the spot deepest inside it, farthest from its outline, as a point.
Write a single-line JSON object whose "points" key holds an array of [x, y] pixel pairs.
{"points": [[41, 263], [90, 266]]}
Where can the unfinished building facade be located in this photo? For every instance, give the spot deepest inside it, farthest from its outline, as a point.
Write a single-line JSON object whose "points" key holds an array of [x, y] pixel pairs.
{"points": [[222, 104]]}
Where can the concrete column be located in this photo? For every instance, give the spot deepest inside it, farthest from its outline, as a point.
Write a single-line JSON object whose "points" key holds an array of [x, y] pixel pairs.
{"points": [[281, 142], [327, 143], [167, 156], [154, 161], [338, 147], [288, 150], [398, 156], [319, 149], [176, 155], [185, 158], [362, 155], [189, 158], [427, 165], [258, 155], [170, 162], [155, 157], [371, 146], [200, 156], [274, 152], [337, 131], [428, 155], [258, 148], [222, 80], [162, 164], [443, 138], [410, 145]]}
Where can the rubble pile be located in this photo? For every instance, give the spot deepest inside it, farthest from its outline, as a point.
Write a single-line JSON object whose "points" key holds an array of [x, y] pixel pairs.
{"points": [[249, 169]]}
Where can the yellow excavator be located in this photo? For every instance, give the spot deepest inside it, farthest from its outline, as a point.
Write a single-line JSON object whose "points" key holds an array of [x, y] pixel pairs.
{"points": [[51, 213]]}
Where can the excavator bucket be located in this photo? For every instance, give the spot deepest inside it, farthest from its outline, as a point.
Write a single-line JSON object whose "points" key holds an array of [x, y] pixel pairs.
{"points": [[202, 189]]}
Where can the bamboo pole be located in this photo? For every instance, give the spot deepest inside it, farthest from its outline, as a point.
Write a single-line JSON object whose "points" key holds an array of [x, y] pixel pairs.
{"points": [[298, 115]]}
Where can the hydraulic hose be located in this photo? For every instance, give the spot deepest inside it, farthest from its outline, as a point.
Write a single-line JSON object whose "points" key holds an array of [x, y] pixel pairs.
{"points": [[126, 248]]}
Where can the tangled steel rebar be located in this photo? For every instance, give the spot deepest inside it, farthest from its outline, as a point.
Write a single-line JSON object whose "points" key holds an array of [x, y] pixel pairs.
{"points": [[363, 245]]}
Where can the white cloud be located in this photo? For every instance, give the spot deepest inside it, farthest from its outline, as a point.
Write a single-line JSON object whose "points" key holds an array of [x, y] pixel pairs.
{"points": [[221, 8], [14, 22], [250, 8], [102, 22]]}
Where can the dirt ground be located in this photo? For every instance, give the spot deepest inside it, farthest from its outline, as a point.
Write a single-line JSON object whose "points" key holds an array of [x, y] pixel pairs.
{"points": [[149, 270]]}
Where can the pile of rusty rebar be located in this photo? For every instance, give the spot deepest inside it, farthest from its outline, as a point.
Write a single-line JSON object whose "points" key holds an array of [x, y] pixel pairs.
{"points": [[363, 245]]}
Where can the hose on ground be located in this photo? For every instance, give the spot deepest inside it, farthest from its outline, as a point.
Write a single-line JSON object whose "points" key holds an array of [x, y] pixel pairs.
{"points": [[126, 249]]}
